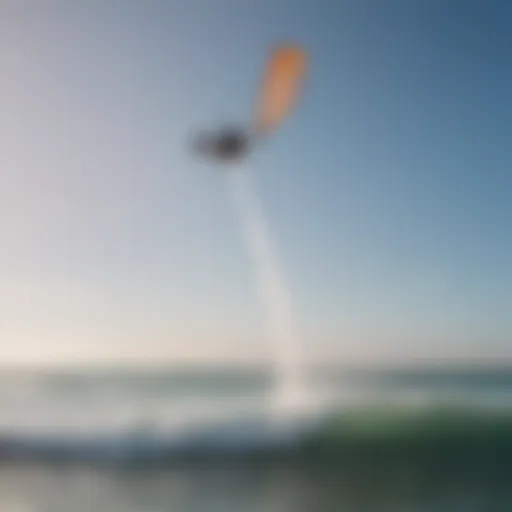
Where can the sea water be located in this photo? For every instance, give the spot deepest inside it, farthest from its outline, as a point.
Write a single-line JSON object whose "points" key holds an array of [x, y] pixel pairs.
{"points": [[364, 476]]}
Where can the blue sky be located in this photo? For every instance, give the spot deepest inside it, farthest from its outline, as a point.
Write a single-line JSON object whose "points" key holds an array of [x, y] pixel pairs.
{"points": [[388, 190]]}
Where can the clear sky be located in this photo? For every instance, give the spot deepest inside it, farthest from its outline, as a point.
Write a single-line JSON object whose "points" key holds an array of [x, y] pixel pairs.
{"points": [[389, 190]]}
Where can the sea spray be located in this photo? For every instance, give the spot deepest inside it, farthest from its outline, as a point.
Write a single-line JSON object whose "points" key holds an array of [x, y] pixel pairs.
{"points": [[280, 324]]}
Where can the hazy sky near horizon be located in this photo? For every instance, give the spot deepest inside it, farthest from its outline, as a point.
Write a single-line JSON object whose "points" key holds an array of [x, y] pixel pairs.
{"points": [[389, 191]]}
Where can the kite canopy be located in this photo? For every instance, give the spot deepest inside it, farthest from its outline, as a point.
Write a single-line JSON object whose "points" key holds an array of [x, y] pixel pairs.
{"points": [[279, 94], [281, 87]]}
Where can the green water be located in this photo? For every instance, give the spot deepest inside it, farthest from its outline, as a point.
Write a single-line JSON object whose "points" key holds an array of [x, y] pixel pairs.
{"points": [[357, 488]]}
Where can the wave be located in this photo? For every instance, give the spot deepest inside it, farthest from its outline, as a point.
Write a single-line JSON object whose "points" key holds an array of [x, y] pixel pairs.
{"points": [[375, 433], [436, 431]]}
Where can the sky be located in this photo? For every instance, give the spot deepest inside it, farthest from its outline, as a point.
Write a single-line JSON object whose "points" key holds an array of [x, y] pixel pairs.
{"points": [[388, 190]]}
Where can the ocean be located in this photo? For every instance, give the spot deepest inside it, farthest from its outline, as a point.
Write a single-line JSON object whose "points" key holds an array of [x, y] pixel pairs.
{"points": [[412, 440]]}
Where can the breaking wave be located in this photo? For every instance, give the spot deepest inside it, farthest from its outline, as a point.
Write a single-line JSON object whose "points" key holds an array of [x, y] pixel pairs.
{"points": [[371, 432]]}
